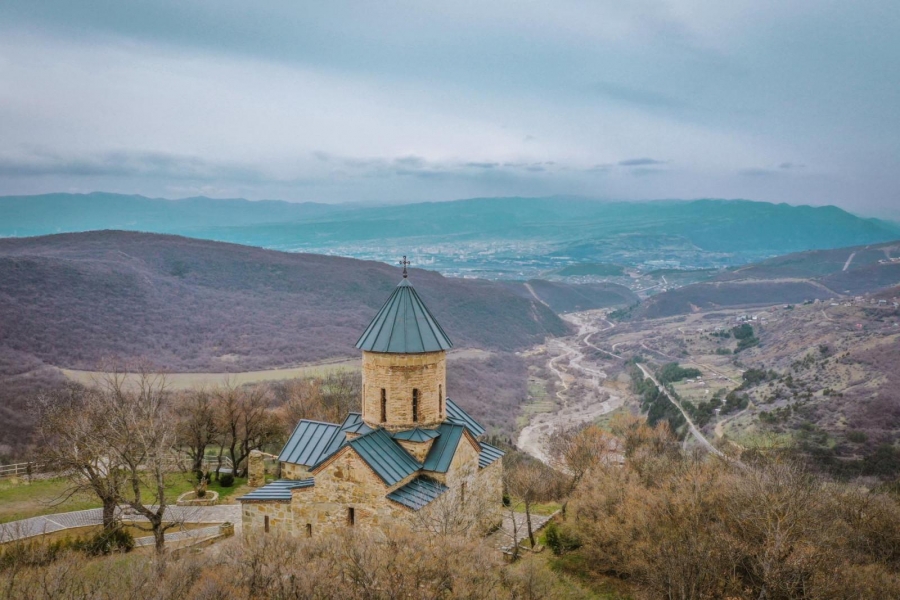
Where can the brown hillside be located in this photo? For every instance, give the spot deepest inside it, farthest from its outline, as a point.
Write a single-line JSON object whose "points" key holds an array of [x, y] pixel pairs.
{"points": [[191, 305]]}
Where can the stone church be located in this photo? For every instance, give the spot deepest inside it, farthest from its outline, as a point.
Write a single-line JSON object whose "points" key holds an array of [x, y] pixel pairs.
{"points": [[411, 458]]}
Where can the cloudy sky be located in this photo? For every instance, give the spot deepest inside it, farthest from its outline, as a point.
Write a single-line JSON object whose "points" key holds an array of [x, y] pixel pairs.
{"points": [[779, 100]]}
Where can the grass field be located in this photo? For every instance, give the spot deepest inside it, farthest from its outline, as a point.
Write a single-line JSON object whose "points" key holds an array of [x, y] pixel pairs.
{"points": [[23, 500], [186, 381], [539, 401]]}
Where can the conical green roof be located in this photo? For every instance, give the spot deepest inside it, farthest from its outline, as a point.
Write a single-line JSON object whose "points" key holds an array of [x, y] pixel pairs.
{"points": [[404, 326]]}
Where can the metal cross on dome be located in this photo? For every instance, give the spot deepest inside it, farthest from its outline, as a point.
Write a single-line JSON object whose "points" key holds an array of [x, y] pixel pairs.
{"points": [[405, 263]]}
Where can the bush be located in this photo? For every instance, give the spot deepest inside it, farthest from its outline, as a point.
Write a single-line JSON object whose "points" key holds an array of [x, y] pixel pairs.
{"points": [[106, 542], [226, 480], [558, 540]]}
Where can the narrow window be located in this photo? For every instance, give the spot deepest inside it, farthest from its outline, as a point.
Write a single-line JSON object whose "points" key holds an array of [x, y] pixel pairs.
{"points": [[462, 493], [266, 523], [441, 398], [383, 405], [309, 530], [415, 406], [351, 516]]}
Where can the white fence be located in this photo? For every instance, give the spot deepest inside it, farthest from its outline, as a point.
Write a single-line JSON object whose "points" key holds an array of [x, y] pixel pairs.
{"points": [[24, 469]]}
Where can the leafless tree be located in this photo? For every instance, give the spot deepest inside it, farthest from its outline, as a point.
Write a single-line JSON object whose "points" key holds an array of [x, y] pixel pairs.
{"points": [[244, 421], [574, 451], [196, 427], [140, 437], [528, 481], [72, 441]]}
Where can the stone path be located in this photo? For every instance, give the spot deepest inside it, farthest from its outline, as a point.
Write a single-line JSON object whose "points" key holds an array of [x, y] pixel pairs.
{"points": [[18, 530], [190, 535], [503, 538]]}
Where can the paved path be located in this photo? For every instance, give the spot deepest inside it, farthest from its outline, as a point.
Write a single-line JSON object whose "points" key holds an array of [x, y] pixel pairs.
{"points": [[17, 530], [174, 537], [503, 537]]}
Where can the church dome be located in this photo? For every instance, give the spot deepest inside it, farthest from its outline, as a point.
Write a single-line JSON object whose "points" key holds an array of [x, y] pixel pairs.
{"points": [[404, 325]]}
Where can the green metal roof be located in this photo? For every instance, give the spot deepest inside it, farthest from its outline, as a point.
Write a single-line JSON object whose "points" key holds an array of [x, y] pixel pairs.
{"points": [[308, 443], [389, 461], [277, 491], [416, 435], [444, 448], [488, 455], [418, 493], [457, 415], [404, 326]]}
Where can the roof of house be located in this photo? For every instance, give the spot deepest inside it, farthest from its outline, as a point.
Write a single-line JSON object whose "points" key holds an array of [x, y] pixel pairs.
{"points": [[314, 442], [444, 448], [404, 325], [418, 493], [488, 455], [279, 490], [386, 457], [309, 441], [457, 415], [416, 435]]}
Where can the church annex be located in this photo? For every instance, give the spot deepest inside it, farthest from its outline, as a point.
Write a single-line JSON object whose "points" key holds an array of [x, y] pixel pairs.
{"points": [[411, 458]]}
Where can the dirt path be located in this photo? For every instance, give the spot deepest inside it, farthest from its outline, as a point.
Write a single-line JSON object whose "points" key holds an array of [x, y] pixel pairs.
{"points": [[186, 381], [849, 260]]}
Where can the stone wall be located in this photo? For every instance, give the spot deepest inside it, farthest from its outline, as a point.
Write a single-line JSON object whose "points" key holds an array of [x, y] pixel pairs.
{"points": [[253, 517], [256, 469], [419, 450], [293, 471], [399, 375], [343, 482]]}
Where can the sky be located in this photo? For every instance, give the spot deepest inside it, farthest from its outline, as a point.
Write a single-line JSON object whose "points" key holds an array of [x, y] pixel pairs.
{"points": [[783, 101]]}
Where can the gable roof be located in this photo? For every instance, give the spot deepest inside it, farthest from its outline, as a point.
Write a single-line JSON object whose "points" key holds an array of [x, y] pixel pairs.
{"points": [[418, 493], [488, 455], [457, 415], [416, 435], [308, 443], [444, 448], [277, 490], [389, 461], [404, 325]]}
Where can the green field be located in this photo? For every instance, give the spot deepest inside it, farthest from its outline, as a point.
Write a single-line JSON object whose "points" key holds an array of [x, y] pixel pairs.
{"points": [[22, 500], [538, 402]]}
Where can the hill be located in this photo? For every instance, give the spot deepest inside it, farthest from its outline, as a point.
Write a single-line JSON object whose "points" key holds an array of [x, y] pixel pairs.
{"points": [[787, 279], [190, 305]]}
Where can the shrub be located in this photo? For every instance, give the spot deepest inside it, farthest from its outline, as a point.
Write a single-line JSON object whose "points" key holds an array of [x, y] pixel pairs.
{"points": [[226, 480], [106, 542], [559, 540]]}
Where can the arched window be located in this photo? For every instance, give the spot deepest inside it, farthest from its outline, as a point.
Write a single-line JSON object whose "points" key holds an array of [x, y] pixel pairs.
{"points": [[383, 405], [415, 406]]}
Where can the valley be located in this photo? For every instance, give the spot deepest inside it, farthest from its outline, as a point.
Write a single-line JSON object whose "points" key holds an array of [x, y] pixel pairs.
{"points": [[816, 378]]}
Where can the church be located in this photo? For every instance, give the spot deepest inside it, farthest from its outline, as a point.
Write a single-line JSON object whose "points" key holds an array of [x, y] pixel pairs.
{"points": [[411, 458]]}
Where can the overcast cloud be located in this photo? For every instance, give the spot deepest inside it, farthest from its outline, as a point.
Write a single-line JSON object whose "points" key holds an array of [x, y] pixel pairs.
{"points": [[787, 101]]}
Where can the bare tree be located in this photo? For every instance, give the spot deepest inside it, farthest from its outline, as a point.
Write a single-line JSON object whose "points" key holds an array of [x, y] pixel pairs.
{"points": [[72, 433], [196, 426], [140, 436], [574, 451], [528, 481], [245, 422]]}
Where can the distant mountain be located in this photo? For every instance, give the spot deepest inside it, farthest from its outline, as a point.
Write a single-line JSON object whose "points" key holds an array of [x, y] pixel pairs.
{"points": [[793, 278], [66, 213], [506, 234]]}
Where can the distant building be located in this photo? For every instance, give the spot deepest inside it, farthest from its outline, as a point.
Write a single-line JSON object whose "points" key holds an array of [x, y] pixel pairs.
{"points": [[412, 456]]}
